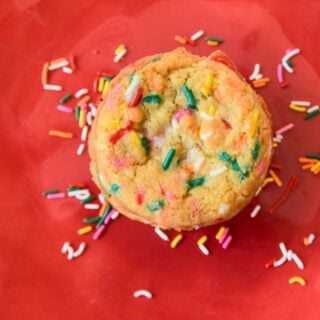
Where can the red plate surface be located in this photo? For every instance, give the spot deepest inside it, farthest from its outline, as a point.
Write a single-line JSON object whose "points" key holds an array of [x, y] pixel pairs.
{"points": [[37, 281]]}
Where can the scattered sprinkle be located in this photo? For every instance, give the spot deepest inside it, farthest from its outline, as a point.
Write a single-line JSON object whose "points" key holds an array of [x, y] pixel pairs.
{"points": [[142, 293], [227, 242], [298, 280], [84, 230], [204, 249], [275, 178], [255, 211], [287, 57], [53, 196], [81, 92], [301, 103], [285, 128], [52, 87], [120, 55], [161, 234], [176, 240], [81, 149], [197, 35], [256, 71]]}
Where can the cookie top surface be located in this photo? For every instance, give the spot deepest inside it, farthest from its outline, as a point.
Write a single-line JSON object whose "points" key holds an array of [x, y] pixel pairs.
{"points": [[180, 141]]}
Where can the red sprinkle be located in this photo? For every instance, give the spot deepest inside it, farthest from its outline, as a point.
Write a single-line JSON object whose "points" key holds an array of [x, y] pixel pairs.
{"points": [[72, 60], [270, 263], [121, 132], [284, 84], [190, 42], [139, 198], [224, 61], [275, 166], [227, 124], [136, 98]]}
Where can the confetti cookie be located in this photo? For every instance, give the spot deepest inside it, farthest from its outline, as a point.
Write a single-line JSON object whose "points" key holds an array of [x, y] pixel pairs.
{"points": [[180, 140]]}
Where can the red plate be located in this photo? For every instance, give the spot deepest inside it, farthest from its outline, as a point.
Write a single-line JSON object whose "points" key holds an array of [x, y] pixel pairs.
{"points": [[37, 281]]}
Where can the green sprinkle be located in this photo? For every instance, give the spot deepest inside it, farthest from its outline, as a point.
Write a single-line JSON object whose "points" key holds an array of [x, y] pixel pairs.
{"points": [[191, 101], [107, 78], [104, 215], [219, 40], [88, 199], [131, 77], [154, 206], [91, 220], [235, 165], [145, 144], [66, 98], [195, 183], [155, 59], [289, 63], [225, 156], [256, 150], [167, 160], [311, 114], [114, 188], [313, 156], [74, 188], [77, 112], [152, 98], [52, 191]]}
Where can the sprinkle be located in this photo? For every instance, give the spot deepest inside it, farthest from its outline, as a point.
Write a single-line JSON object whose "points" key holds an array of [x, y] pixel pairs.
{"points": [[168, 159], [204, 249], [180, 39], [91, 206], [315, 168], [52, 87], [176, 241], [81, 92], [136, 98], [66, 98], [80, 250], [79, 193], [309, 240], [205, 116], [83, 101], [84, 230], [212, 43], [58, 65], [297, 108], [220, 233], [87, 199], [261, 81], [44, 75], [255, 211], [115, 215], [91, 220], [103, 213], [51, 191], [227, 242], [280, 73], [84, 133], [145, 144], [289, 255], [299, 280], [61, 134], [283, 249], [202, 240], [70, 252], [307, 160], [142, 293], [191, 102], [275, 178], [253, 123], [270, 263], [121, 132], [67, 70], [98, 232], [301, 103], [156, 205], [65, 247], [311, 114], [285, 128], [101, 198], [161, 234], [119, 49], [132, 88], [64, 108], [199, 163], [280, 262], [224, 235], [120, 55], [219, 40], [298, 261], [287, 57], [255, 72], [197, 35], [81, 149], [266, 181], [195, 183], [114, 188], [312, 109], [59, 195], [256, 150], [152, 98], [218, 171], [72, 60], [208, 84]]}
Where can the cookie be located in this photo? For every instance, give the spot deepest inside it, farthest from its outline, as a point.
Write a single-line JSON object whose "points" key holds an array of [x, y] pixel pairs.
{"points": [[180, 140]]}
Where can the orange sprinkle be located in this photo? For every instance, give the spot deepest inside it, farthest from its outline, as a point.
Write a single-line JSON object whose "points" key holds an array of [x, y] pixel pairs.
{"points": [[262, 80], [306, 241], [316, 168], [212, 43], [307, 160], [259, 85], [61, 134], [276, 178], [58, 61], [307, 166], [44, 76], [85, 99], [102, 209], [180, 39]]}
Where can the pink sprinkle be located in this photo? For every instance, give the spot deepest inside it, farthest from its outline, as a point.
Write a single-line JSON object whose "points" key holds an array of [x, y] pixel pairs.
{"points": [[84, 106], [108, 217], [181, 113], [280, 73], [56, 195], [63, 108], [224, 235], [169, 195], [226, 244], [98, 233], [285, 128]]}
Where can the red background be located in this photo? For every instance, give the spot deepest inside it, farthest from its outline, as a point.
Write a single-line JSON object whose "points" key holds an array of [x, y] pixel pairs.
{"points": [[36, 280]]}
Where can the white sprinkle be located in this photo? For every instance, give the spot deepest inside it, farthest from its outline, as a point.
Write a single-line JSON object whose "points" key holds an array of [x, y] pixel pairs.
{"points": [[301, 103], [298, 261], [280, 262], [218, 171], [311, 238], [205, 116], [255, 211], [313, 108], [197, 166], [258, 191], [120, 55], [67, 70], [132, 88], [197, 35], [174, 124], [93, 109], [89, 118], [81, 92], [80, 250], [289, 255], [84, 133], [115, 215], [52, 87], [74, 193], [256, 71], [101, 198], [205, 136], [58, 65], [142, 293], [224, 208], [204, 249], [259, 76], [65, 246], [70, 252], [81, 149], [91, 206], [196, 228], [283, 249], [287, 57], [161, 234]]}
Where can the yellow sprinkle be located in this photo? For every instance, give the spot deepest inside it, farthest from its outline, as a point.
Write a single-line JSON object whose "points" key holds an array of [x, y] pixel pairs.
{"points": [[207, 87], [202, 240], [212, 110], [299, 280], [297, 108], [212, 43], [266, 181], [101, 84], [61, 134], [253, 123], [119, 49], [82, 118], [106, 87], [136, 139], [176, 240], [220, 233], [84, 230], [274, 145], [114, 124], [315, 167]]}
